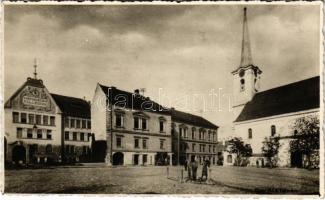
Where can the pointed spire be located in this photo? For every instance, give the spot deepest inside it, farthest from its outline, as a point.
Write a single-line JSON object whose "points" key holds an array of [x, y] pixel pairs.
{"points": [[35, 66], [246, 55]]}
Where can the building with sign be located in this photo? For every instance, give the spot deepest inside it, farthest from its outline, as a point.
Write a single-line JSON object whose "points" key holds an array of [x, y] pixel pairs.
{"points": [[41, 127]]}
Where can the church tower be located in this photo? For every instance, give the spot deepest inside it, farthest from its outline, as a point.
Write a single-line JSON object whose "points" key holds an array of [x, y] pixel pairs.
{"points": [[247, 76]]}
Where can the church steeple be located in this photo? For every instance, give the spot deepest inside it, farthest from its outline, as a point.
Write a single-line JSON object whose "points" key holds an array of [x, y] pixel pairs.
{"points": [[246, 54], [246, 76]]}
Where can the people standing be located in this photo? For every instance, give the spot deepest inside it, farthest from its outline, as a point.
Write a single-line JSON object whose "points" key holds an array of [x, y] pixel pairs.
{"points": [[189, 171], [185, 165], [194, 169], [205, 170]]}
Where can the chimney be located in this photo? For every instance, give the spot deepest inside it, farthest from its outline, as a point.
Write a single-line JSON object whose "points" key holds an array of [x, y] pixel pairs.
{"points": [[137, 91]]}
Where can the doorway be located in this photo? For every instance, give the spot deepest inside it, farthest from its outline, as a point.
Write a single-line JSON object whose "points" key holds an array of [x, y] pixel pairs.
{"points": [[296, 159], [118, 158], [136, 159], [19, 154]]}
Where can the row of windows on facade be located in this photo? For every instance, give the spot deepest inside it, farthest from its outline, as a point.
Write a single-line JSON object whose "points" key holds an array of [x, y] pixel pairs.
{"points": [[185, 146], [250, 132], [25, 118], [34, 133], [140, 123], [137, 142], [77, 123], [71, 149], [48, 148], [202, 134], [76, 136]]}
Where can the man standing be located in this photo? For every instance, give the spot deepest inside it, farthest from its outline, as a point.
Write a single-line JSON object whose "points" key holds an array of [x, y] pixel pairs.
{"points": [[194, 167]]}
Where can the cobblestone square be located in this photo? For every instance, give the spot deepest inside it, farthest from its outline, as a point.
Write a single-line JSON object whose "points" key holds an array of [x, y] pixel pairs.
{"points": [[153, 180]]}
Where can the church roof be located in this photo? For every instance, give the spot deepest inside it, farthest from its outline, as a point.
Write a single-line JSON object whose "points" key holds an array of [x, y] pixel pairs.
{"points": [[294, 97], [71, 106], [191, 119]]}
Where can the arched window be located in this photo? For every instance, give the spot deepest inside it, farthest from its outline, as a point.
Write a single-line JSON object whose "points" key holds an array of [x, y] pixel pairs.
{"points": [[242, 84], [229, 159], [48, 148], [273, 130], [250, 133]]}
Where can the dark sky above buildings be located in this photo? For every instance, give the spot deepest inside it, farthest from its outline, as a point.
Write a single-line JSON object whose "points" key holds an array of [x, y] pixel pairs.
{"points": [[185, 50]]}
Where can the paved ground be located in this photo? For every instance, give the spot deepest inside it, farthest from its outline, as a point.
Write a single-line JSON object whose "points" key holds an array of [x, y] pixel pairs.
{"points": [[153, 180]]}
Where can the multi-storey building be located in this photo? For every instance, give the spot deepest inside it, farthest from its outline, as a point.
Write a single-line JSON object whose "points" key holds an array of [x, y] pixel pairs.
{"points": [[34, 126], [194, 137], [136, 130]]}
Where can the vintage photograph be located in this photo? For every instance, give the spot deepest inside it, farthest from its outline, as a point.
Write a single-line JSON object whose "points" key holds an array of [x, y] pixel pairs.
{"points": [[162, 98]]}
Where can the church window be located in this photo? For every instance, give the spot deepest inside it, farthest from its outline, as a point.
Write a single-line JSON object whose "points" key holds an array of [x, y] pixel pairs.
{"points": [[242, 84], [273, 130], [229, 159], [250, 133]]}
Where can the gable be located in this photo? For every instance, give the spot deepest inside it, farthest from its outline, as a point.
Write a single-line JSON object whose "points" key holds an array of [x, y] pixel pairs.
{"points": [[294, 97], [32, 96]]}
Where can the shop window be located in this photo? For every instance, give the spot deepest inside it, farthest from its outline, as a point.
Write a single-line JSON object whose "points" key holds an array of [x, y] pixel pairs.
{"points": [[15, 117]]}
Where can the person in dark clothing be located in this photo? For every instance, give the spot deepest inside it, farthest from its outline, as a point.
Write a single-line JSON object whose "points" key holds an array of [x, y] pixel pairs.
{"points": [[205, 170], [185, 165], [189, 171], [194, 167]]}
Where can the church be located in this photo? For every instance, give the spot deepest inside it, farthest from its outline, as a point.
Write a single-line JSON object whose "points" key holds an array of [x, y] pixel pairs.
{"points": [[261, 114]]}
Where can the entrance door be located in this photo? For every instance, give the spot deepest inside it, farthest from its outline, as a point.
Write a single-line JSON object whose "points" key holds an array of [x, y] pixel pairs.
{"points": [[32, 151], [118, 158], [296, 159], [136, 159], [19, 154]]}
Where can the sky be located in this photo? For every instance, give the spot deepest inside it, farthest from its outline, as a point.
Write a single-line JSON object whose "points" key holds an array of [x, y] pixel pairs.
{"points": [[179, 53]]}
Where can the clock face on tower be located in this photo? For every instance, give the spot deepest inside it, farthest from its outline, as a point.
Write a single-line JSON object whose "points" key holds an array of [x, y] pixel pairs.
{"points": [[241, 73]]}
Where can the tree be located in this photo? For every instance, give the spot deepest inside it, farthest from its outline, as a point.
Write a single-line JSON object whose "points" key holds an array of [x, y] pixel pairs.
{"points": [[305, 137], [270, 150], [238, 147]]}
